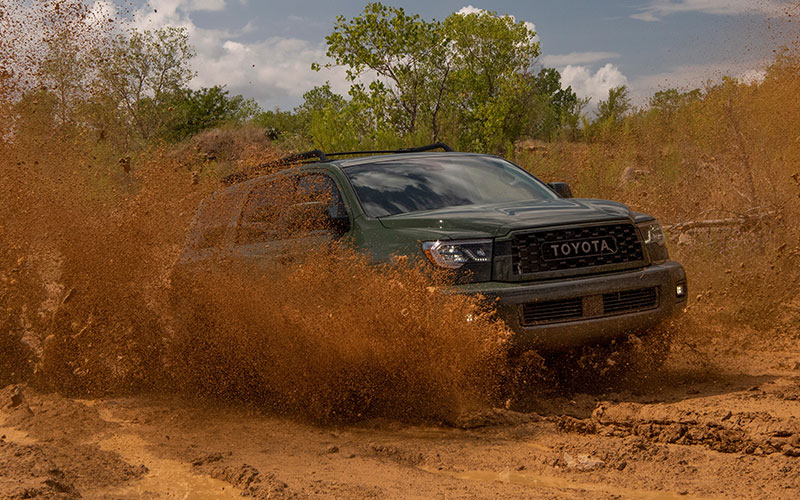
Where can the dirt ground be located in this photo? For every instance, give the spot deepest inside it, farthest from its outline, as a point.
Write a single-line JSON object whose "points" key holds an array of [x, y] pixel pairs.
{"points": [[725, 426]]}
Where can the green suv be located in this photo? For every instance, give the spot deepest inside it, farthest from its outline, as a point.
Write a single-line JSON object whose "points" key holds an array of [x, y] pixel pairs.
{"points": [[566, 271]]}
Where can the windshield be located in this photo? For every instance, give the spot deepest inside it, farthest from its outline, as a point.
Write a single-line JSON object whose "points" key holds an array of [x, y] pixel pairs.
{"points": [[416, 184]]}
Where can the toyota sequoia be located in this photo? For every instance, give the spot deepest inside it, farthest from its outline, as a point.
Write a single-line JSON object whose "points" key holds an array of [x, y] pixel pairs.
{"points": [[563, 271]]}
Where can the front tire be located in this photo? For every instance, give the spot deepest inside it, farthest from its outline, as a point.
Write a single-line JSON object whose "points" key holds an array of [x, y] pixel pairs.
{"points": [[601, 366]]}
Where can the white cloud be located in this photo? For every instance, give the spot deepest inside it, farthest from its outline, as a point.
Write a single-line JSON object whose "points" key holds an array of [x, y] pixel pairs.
{"points": [[658, 9], [578, 58], [752, 76], [101, 10], [469, 9], [596, 84], [206, 5], [275, 71]]}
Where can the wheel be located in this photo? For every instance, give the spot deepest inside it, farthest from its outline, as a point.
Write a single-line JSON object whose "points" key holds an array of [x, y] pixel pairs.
{"points": [[600, 366]]}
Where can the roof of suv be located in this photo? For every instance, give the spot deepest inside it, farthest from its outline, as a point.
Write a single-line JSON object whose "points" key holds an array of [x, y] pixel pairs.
{"points": [[319, 157], [361, 160]]}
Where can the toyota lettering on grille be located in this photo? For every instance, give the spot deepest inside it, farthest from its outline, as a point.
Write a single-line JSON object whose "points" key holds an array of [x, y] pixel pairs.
{"points": [[572, 249]]}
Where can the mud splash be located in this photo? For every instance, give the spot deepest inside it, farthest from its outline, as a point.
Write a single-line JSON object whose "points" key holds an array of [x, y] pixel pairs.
{"points": [[98, 220], [89, 306], [333, 336]]}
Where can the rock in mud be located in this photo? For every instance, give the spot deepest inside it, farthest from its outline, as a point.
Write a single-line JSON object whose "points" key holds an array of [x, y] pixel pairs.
{"points": [[672, 433], [566, 423], [16, 397], [210, 458], [396, 455], [582, 463], [251, 481]]}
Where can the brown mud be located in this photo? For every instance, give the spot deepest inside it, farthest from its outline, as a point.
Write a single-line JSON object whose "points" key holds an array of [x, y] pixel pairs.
{"points": [[728, 431]]}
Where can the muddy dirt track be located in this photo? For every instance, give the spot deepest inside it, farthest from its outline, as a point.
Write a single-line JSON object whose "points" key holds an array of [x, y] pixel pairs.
{"points": [[730, 429]]}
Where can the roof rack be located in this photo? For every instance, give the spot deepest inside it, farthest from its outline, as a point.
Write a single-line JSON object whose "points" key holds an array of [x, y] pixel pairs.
{"points": [[251, 172], [418, 149], [307, 157]]}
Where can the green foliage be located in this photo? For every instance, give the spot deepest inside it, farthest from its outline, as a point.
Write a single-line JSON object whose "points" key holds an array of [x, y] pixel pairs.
{"points": [[362, 122], [487, 50], [609, 116], [192, 111], [279, 123], [319, 98], [143, 73], [466, 80], [36, 113], [316, 102], [489, 88], [63, 70], [614, 108], [670, 100], [396, 46]]}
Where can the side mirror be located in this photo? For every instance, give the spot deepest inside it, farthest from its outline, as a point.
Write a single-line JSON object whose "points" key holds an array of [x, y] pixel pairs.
{"points": [[562, 189]]}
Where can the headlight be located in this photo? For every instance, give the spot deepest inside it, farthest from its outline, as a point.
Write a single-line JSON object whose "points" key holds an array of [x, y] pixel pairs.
{"points": [[655, 242], [455, 254], [652, 233]]}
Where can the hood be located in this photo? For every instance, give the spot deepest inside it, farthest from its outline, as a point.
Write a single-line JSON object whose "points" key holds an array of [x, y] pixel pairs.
{"points": [[493, 220]]}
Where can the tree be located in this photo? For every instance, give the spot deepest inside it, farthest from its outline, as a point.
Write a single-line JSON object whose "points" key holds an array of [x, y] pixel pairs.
{"points": [[197, 110], [555, 108], [319, 98], [465, 75], [398, 48], [64, 70], [488, 49], [614, 108], [490, 87], [145, 70], [670, 100]]}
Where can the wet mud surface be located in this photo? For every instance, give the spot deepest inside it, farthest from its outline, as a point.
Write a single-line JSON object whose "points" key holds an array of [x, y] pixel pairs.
{"points": [[729, 430]]}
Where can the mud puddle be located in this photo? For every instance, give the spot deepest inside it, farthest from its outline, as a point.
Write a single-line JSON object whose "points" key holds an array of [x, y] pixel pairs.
{"points": [[163, 448], [541, 482], [165, 479]]}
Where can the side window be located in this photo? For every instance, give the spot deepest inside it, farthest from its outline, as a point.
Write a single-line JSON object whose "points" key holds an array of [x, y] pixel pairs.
{"points": [[291, 206], [321, 188], [261, 218], [214, 215]]}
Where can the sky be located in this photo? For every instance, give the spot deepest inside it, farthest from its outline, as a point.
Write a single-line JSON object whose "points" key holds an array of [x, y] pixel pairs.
{"points": [[264, 49]]}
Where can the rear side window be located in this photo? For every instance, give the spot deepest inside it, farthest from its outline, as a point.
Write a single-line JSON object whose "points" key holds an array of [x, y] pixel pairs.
{"points": [[261, 217], [321, 188], [214, 217], [264, 216]]}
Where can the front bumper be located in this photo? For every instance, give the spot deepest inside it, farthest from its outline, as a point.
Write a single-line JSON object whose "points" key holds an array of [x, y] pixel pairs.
{"points": [[559, 335]]}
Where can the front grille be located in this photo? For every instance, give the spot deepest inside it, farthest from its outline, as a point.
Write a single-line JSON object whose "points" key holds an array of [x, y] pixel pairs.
{"points": [[528, 249], [630, 300], [589, 306], [554, 310]]}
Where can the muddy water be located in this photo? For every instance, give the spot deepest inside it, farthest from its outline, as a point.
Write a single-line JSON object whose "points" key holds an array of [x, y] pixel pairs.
{"points": [[165, 478], [539, 482]]}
